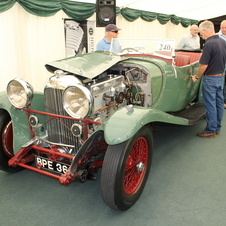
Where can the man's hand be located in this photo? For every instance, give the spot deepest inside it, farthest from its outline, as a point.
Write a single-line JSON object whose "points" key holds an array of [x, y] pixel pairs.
{"points": [[194, 78], [201, 70]]}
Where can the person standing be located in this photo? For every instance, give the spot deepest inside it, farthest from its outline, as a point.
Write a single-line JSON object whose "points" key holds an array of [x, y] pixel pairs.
{"points": [[106, 43], [190, 41], [212, 65], [222, 34]]}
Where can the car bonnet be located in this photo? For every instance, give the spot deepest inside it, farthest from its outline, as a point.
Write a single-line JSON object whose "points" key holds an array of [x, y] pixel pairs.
{"points": [[88, 65]]}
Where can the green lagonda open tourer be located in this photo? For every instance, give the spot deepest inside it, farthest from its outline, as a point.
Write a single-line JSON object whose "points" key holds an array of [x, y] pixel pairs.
{"points": [[98, 110]]}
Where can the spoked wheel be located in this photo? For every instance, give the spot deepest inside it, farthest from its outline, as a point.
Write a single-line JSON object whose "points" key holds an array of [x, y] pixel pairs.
{"points": [[6, 142], [125, 170]]}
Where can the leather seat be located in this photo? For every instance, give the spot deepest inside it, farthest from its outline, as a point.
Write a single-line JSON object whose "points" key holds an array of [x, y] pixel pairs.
{"points": [[193, 56], [182, 60]]}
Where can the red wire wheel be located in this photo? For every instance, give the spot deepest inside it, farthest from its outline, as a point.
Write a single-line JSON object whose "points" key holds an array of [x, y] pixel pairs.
{"points": [[125, 170], [6, 142], [136, 166]]}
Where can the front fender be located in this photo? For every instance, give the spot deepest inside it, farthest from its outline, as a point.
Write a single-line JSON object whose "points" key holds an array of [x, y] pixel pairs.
{"points": [[122, 125], [21, 131]]}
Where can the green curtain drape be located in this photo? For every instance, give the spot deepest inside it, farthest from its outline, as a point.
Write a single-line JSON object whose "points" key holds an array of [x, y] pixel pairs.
{"points": [[163, 18], [41, 7], [175, 19], [6, 4], [147, 16], [81, 11], [78, 10], [130, 14]]}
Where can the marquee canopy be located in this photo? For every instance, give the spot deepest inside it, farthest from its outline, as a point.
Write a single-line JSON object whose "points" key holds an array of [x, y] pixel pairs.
{"points": [[192, 9], [177, 11]]}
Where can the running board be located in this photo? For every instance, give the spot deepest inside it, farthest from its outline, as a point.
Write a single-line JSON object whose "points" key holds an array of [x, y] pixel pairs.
{"points": [[193, 114]]}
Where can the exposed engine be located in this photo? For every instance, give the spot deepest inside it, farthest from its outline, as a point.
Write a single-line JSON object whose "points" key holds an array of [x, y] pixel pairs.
{"points": [[95, 100], [120, 86]]}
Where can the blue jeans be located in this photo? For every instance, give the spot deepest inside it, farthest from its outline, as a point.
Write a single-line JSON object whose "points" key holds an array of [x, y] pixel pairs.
{"points": [[224, 91], [213, 102]]}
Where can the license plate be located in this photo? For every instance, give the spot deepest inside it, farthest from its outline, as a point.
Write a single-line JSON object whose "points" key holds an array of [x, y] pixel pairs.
{"points": [[47, 164]]}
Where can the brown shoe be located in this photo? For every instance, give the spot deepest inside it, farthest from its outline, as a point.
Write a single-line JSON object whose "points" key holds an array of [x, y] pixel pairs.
{"points": [[224, 106], [205, 134], [218, 133]]}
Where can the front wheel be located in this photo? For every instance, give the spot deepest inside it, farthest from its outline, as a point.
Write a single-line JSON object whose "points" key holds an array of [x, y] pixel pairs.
{"points": [[6, 142], [125, 170]]}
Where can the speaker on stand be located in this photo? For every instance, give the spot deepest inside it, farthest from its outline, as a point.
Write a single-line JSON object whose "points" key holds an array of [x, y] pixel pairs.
{"points": [[105, 12]]}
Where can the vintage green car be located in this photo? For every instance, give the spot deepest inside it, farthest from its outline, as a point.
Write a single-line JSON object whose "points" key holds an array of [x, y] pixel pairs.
{"points": [[98, 110]]}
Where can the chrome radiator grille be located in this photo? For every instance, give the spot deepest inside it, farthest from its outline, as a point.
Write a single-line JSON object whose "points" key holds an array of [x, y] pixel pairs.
{"points": [[58, 129]]}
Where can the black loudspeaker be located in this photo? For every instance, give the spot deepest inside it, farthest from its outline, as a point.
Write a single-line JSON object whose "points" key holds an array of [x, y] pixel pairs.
{"points": [[105, 12]]}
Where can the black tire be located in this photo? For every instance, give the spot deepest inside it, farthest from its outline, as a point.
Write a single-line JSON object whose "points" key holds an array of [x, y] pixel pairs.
{"points": [[6, 142], [125, 170]]}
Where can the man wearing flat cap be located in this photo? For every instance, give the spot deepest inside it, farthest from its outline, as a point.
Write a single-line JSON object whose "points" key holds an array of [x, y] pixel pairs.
{"points": [[105, 43]]}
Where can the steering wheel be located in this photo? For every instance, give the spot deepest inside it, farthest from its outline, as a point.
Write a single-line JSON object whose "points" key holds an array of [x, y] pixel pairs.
{"points": [[129, 49]]}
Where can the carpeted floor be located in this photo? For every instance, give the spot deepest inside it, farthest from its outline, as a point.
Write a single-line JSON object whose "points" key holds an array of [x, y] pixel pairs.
{"points": [[186, 187]]}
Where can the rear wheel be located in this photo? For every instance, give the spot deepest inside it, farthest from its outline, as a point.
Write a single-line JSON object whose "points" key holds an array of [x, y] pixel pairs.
{"points": [[6, 142], [125, 170]]}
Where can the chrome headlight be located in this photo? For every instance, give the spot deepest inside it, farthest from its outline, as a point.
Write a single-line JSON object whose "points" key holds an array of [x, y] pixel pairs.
{"points": [[19, 93], [77, 101]]}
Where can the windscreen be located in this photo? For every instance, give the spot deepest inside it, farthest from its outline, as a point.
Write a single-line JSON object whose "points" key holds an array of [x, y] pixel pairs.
{"points": [[163, 47]]}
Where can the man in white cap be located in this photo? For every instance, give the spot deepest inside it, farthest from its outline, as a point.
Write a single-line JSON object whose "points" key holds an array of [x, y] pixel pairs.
{"points": [[105, 43]]}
